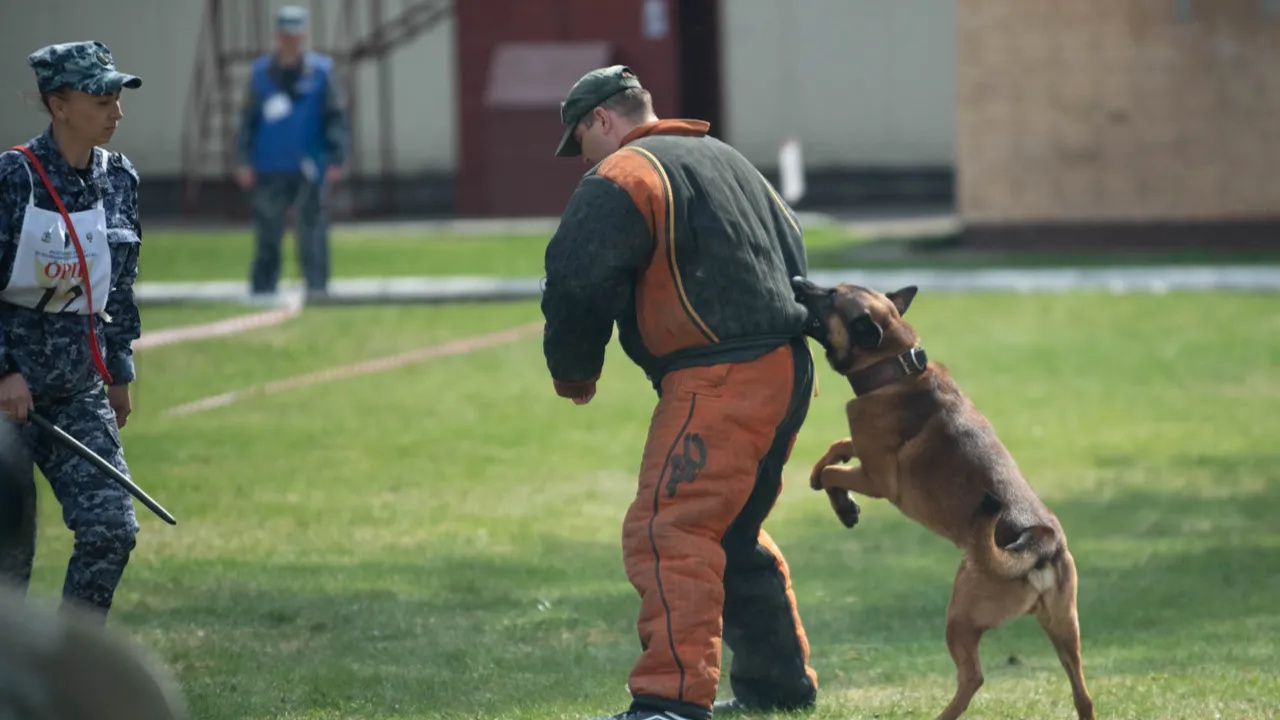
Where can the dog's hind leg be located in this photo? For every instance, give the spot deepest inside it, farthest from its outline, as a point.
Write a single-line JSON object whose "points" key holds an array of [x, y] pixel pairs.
{"points": [[962, 640], [1057, 615], [964, 633]]}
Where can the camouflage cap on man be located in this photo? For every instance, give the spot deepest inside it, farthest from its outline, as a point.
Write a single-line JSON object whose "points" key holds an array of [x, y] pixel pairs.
{"points": [[84, 66], [591, 89]]}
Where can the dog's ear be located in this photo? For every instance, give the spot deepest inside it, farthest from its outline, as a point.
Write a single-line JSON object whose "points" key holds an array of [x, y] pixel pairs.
{"points": [[865, 332], [902, 298]]}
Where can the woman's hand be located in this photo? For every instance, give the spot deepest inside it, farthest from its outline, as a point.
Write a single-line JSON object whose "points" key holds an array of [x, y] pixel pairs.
{"points": [[15, 397], [118, 397]]}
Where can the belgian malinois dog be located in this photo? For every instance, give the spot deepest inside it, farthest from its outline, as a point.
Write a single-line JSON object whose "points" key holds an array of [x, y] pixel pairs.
{"points": [[923, 446]]}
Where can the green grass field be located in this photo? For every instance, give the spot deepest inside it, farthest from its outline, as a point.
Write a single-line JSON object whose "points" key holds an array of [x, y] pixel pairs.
{"points": [[443, 540], [192, 256], [220, 255]]}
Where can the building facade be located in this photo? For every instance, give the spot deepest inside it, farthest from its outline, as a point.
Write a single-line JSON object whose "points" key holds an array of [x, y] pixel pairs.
{"points": [[867, 86], [1110, 124]]}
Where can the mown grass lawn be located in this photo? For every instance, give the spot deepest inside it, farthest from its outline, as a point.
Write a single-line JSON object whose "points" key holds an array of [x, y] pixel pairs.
{"points": [[225, 255], [192, 255], [163, 317], [172, 255], [443, 540]]}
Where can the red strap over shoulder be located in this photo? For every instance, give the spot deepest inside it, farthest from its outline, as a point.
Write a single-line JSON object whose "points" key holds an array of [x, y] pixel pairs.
{"points": [[84, 264]]}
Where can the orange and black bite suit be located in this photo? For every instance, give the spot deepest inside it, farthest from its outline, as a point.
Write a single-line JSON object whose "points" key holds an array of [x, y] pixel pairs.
{"points": [[678, 239]]}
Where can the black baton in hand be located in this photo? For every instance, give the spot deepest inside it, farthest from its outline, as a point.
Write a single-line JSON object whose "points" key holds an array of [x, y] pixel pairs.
{"points": [[101, 464]]}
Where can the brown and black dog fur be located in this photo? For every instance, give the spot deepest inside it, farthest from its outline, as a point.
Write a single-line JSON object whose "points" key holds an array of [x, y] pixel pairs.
{"points": [[924, 447]]}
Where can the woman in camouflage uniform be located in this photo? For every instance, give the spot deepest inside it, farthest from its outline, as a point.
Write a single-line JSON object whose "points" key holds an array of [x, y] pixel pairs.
{"points": [[69, 239]]}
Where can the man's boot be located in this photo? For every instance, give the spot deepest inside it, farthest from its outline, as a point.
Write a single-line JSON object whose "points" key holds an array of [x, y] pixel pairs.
{"points": [[645, 715], [733, 707]]}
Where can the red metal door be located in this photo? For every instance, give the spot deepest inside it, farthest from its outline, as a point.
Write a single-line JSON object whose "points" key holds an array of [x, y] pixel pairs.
{"points": [[506, 163]]}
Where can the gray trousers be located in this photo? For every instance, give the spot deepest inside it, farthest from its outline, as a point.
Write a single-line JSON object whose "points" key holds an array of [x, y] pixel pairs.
{"points": [[98, 511], [271, 197]]}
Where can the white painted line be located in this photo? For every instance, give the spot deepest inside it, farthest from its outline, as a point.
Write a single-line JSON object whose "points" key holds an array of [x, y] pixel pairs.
{"points": [[1153, 279], [342, 372], [220, 328], [1262, 277]]}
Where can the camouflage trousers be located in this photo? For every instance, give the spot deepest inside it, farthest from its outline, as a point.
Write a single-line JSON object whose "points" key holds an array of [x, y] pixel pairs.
{"points": [[97, 510]]}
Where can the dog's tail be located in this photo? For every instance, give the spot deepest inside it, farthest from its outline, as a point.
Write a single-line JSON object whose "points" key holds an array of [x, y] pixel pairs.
{"points": [[1034, 546]]}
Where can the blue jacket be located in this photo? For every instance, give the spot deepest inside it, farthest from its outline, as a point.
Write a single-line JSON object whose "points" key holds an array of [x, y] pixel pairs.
{"points": [[313, 127], [52, 350]]}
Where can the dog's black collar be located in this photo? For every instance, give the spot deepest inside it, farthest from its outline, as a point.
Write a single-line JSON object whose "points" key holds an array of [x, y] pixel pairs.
{"points": [[889, 370]]}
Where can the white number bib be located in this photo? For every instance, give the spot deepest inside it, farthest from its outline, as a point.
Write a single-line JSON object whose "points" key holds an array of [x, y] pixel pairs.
{"points": [[276, 108], [47, 275]]}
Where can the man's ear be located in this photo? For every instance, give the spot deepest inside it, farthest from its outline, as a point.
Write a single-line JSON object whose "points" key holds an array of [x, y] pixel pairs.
{"points": [[902, 298]]}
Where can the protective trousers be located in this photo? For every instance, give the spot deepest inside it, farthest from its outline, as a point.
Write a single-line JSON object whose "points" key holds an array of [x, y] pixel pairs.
{"points": [[272, 196], [98, 511], [693, 544]]}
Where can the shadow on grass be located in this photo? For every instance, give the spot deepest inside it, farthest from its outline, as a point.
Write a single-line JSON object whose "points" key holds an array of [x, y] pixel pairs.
{"points": [[476, 634], [1169, 581]]}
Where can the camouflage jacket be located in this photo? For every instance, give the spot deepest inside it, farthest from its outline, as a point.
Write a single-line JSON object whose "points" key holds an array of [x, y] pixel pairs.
{"points": [[52, 350]]}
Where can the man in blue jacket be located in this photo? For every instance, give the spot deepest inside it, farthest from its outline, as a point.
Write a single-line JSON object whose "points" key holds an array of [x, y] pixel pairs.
{"points": [[292, 145]]}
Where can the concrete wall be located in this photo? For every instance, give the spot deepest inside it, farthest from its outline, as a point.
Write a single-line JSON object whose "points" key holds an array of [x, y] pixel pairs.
{"points": [[862, 82], [1117, 111], [156, 40], [161, 56]]}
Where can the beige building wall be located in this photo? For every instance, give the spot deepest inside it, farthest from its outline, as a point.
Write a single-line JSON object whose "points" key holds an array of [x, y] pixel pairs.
{"points": [[1117, 110]]}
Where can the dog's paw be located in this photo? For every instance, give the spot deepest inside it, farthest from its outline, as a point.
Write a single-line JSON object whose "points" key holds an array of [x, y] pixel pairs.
{"points": [[850, 516], [846, 508]]}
